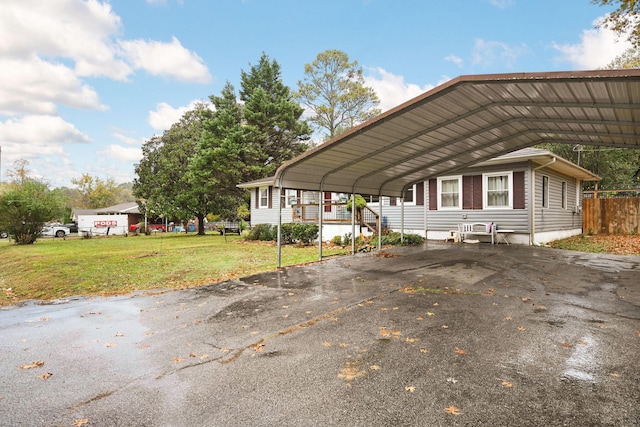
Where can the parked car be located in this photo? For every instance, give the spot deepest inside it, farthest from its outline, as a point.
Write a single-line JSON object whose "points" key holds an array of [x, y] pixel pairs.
{"points": [[3, 234], [55, 231]]}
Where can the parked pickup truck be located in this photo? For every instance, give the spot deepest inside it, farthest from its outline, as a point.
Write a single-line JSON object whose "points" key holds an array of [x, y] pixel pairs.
{"points": [[55, 231]]}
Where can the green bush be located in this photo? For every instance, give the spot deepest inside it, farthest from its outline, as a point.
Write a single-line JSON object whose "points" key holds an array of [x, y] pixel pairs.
{"points": [[394, 238], [337, 240], [262, 232], [305, 233], [286, 234]]}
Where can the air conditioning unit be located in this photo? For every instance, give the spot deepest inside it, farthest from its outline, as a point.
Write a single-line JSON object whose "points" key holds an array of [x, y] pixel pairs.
{"points": [[577, 209]]}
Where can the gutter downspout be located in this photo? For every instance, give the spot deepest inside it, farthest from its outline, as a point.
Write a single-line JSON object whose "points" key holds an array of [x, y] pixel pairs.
{"points": [[532, 200], [380, 226]]}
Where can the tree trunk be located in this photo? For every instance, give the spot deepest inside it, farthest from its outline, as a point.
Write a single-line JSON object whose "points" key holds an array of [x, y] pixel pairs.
{"points": [[200, 224]]}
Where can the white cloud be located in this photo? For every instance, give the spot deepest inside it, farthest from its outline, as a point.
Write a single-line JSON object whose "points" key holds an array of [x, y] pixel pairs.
{"points": [[455, 59], [39, 130], [164, 116], [597, 48], [166, 59], [128, 140], [37, 138], [501, 4], [391, 89], [31, 85], [123, 154], [488, 53]]}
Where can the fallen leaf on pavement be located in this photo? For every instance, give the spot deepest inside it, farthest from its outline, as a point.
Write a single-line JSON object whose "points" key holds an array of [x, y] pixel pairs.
{"points": [[460, 351], [258, 346], [445, 327], [507, 384], [45, 375], [508, 318], [374, 367], [566, 344], [429, 313], [522, 328], [412, 340], [178, 359], [410, 388], [452, 410], [79, 423], [582, 342], [110, 344], [33, 365], [614, 374], [424, 350]]}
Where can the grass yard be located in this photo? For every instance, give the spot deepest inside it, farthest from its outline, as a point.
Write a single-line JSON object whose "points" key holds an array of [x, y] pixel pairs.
{"points": [[54, 268]]}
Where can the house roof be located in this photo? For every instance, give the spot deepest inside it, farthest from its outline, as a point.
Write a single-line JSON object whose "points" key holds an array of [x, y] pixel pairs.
{"points": [[122, 208], [541, 157], [468, 120]]}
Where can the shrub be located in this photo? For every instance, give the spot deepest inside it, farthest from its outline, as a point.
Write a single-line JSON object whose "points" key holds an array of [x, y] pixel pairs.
{"points": [[337, 240], [262, 232], [286, 233], [305, 233], [394, 238]]}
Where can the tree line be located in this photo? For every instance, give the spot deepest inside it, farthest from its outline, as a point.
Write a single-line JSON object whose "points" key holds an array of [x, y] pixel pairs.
{"points": [[193, 168]]}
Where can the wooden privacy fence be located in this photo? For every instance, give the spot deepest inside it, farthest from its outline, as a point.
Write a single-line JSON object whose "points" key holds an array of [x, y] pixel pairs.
{"points": [[611, 216]]}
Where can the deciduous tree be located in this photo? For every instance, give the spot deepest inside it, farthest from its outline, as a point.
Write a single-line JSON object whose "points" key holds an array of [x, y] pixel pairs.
{"points": [[333, 89], [626, 18], [26, 204]]}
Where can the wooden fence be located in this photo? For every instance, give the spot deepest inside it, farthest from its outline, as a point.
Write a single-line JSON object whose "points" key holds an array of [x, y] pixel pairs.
{"points": [[611, 215]]}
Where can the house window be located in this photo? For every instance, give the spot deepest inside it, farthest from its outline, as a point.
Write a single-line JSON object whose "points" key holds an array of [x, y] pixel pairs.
{"points": [[409, 196], [545, 191], [263, 201], [449, 194], [498, 193], [291, 198], [564, 195]]}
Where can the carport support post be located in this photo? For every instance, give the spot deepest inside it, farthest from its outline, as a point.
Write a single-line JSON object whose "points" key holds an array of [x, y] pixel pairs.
{"points": [[353, 223], [402, 219], [320, 215], [279, 227], [380, 226]]}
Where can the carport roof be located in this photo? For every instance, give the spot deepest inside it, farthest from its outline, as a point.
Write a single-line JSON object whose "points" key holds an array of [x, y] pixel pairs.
{"points": [[468, 120]]}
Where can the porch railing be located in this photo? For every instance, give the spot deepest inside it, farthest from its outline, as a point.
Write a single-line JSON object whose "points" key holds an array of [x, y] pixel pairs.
{"points": [[335, 212]]}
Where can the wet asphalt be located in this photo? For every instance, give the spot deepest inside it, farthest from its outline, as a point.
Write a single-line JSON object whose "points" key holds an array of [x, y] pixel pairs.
{"points": [[436, 335]]}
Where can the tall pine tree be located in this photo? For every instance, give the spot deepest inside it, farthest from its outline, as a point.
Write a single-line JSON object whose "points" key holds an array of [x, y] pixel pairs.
{"points": [[273, 114]]}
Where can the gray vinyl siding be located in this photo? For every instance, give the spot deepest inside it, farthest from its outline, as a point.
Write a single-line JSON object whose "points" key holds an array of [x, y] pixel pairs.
{"points": [[511, 219], [266, 215], [391, 216], [554, 217]]}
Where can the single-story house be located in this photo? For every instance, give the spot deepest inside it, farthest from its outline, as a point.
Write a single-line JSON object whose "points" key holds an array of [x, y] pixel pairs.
{"points": [[531, 196]]}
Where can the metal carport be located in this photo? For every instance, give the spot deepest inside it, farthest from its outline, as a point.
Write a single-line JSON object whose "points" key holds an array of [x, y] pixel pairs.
{"points": [[468, 120]]}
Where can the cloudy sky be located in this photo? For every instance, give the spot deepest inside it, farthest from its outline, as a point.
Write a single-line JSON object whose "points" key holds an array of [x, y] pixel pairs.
{"points": [[83, 83]]}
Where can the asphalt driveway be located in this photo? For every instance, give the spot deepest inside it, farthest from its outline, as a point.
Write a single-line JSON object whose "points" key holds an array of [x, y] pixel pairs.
{"points": [[436, 335]]}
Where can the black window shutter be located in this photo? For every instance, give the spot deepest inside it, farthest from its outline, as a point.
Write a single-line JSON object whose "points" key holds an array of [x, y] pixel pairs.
{"points": [[518, 190], [433, 194], [419, 196]]}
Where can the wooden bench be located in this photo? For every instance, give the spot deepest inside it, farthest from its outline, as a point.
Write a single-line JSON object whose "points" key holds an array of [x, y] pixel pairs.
{"points": [[477, 229]]}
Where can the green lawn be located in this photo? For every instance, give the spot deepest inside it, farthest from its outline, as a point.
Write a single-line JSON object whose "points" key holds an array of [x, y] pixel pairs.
{"points": [[54, 268]]}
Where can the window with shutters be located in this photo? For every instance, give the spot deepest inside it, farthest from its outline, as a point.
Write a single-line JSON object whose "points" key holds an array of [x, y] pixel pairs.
{"points": [[498, 192], [449, 192], [263, 200]]}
